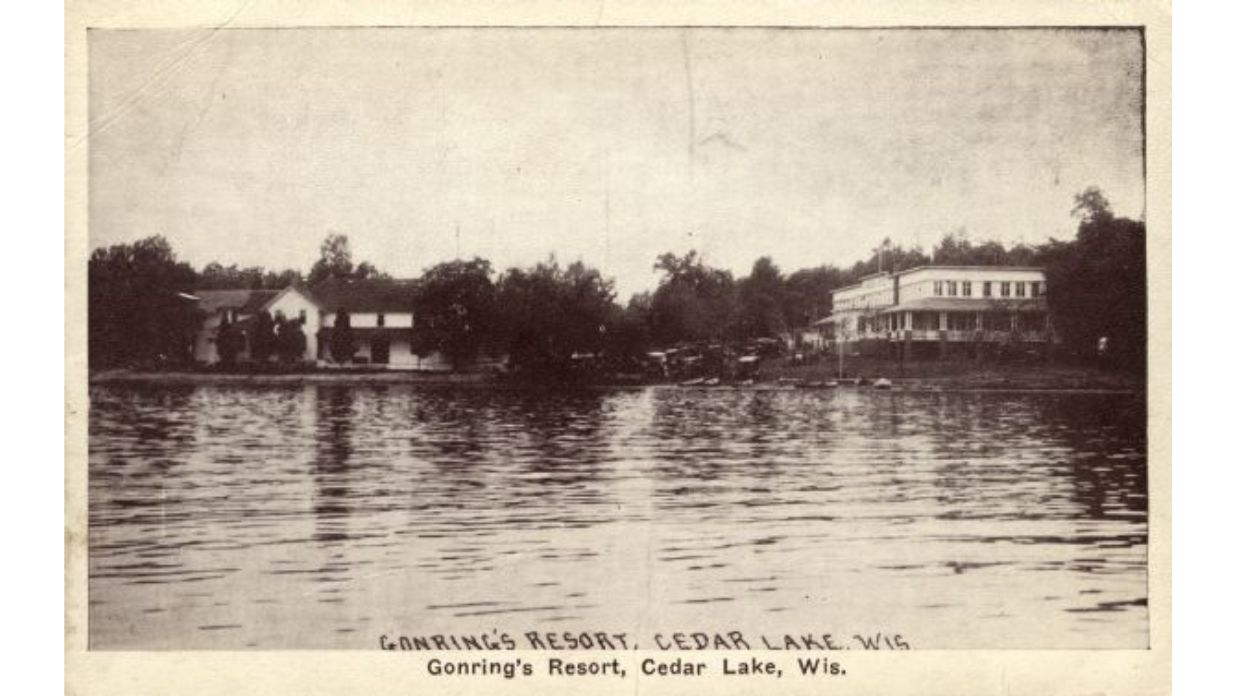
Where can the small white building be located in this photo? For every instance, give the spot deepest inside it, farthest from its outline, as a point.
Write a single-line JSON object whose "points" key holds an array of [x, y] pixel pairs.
{"points": [[381, 318], [379, 313], [942, 305], [241, 309]]}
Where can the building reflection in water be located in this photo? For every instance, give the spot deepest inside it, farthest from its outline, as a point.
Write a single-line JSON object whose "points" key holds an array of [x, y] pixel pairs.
{"points": [[332, 473], [267, 513]]}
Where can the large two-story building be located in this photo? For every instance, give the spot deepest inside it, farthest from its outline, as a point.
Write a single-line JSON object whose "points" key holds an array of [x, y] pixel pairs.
{"points": [[935, 309]]}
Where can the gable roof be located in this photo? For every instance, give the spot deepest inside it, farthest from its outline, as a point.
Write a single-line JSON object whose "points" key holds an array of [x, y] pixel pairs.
{"points": [[337, 294]]}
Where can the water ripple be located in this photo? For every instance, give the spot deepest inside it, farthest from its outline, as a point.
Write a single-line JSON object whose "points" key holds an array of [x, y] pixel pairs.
{"points": [[308, 516]]}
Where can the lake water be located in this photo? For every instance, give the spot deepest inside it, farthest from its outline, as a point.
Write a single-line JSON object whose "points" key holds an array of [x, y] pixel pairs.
{"points": [[326, 516]]}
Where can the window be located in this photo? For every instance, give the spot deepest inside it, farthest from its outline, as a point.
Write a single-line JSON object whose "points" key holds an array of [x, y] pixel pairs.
{"points": [[961, 321], [1034, 289], [925, 321], [1021, 289], [1004, 289], [952, 288], [987, 288], [381, 319], [965, 288], [937, 288], [1032, 321]]}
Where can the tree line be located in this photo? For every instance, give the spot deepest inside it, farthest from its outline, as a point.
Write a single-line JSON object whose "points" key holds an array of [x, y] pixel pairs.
{"points": [[542, 315]]}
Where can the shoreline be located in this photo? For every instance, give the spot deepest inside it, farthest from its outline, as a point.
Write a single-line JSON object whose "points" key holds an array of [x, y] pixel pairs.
{"points": [[1013, 384]]}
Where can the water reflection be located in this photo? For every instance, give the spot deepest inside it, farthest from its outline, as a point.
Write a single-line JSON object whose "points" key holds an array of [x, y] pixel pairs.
{"points": [[331, 475], [321, 516]]}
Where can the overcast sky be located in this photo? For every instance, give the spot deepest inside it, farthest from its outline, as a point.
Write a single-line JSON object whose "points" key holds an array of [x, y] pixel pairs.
{"points": [[611, 146]]}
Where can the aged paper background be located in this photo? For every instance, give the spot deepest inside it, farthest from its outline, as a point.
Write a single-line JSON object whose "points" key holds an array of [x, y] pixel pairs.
{"points": [[930, 672]]}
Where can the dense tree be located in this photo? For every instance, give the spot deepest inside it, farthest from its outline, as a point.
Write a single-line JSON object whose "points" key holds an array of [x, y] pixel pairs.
{"points": [[342, 342], [629, 334], [262, 338], [334, 259], [954, 249], [762, 299], [1097, 283], [367, 271], [142, 309], [989, 253], [1091, 206], [550, 313], [454, 305], [140, 304], [277, 280], [229, 341], [215, 276], [1021, 255], [290, 340], [809, 294], [693, 301], [886, 257]]}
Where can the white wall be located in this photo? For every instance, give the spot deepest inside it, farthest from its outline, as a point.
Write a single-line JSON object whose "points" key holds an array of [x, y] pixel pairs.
{"points": [[871, 292], [204, 349], [402, 357], [920, 283]]}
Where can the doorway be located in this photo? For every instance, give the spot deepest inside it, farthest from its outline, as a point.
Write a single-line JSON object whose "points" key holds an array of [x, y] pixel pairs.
{"points": [[380, 351]]}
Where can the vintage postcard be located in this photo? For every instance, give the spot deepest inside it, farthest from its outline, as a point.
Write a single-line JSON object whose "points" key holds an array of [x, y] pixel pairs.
{"points": [[714, 348]]}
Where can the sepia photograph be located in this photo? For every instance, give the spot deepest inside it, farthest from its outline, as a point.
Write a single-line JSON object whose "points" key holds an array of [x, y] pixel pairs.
{"points": [[657, 338]]}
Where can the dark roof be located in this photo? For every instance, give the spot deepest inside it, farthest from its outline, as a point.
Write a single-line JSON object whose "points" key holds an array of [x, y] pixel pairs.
{"points": [[245, 301], [335, 294], [972, 267]]}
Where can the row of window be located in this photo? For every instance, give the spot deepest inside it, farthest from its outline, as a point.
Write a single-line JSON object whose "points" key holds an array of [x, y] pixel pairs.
{"points": [[953, 321], [232, 316], [381, 318], [965, 288]]}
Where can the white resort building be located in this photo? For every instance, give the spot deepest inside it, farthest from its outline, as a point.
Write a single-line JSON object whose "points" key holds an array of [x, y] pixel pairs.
{"points": [[933, 310]]}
